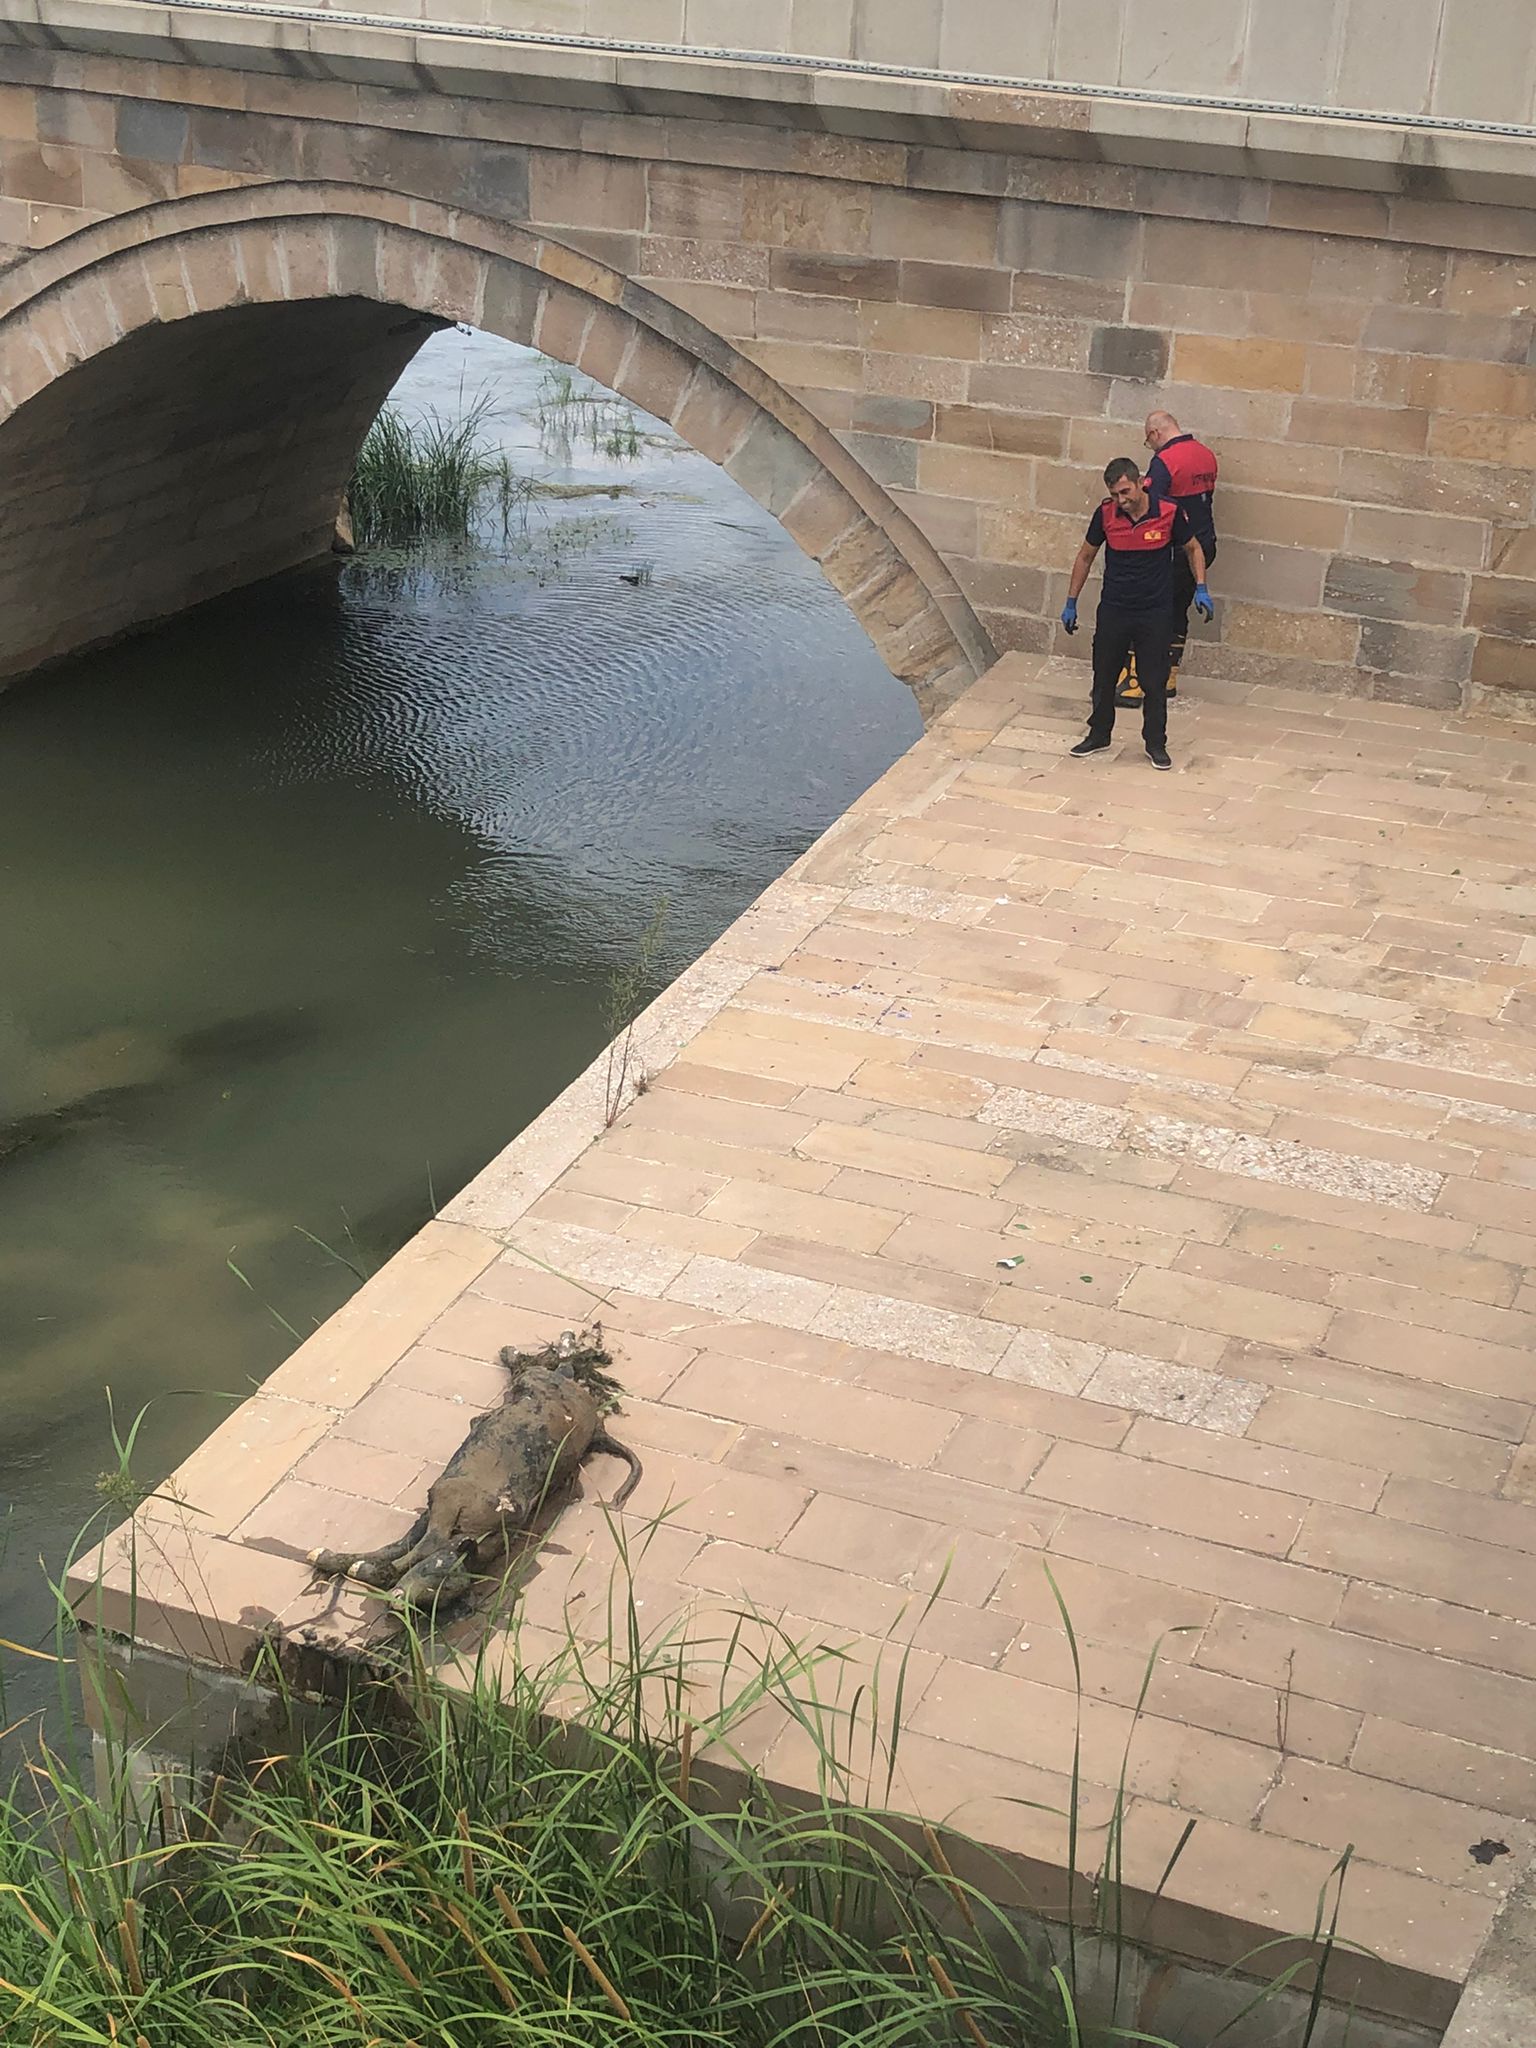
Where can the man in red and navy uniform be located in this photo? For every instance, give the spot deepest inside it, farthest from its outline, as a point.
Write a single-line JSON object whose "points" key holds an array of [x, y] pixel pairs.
{"points": [[1185, 470], [1144, 536]]}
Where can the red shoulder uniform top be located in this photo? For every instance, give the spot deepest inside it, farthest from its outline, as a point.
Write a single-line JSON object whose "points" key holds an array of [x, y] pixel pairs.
{"points": [[1186, 469], [1138, 567]]}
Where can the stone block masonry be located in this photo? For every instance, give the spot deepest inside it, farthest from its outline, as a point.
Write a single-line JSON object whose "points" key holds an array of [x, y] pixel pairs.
{"points": [[1062, 1166], [959, 301], [184, 460], [230, 365]]}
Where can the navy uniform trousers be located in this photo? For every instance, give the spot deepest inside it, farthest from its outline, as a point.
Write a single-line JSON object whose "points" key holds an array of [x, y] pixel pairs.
{"points": [[1117, 636]]}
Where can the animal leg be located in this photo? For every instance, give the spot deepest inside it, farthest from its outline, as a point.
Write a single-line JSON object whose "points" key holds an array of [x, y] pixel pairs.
{"points": [[612, 1448], [426, 1545], [377, 1567], [438, 1577]]}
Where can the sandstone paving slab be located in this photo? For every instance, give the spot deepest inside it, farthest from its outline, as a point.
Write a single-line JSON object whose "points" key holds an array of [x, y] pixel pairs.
{"points": [[1068, 1185]]}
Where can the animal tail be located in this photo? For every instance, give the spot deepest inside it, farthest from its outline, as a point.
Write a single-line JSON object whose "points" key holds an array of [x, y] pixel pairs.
{"points": [[611, 1447]]}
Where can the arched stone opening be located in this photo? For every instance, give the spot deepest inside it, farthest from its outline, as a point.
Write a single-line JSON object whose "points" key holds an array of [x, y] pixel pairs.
{"points": [[183, 462], [183, 391]]}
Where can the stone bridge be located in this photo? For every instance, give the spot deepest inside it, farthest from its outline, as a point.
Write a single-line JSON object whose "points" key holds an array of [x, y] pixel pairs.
{"points": [[1134, 1174], [910, 308]]}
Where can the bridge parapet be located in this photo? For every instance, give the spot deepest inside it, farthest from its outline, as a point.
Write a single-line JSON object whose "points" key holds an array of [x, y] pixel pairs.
{"points": [[1428, 124], [1462, 60]]}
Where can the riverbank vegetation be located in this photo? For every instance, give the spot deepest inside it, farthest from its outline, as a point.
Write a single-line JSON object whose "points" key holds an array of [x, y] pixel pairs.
{"points": [[432, 488], [429, 480], [463, 1871], [571, 1850], [633, 983]]}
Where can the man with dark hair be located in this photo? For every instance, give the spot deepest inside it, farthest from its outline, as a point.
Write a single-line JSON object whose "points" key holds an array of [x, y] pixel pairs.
{"points": [[1144, 535]]}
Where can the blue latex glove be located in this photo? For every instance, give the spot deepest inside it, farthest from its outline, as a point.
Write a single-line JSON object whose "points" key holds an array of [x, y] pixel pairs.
{"points": [[1203, 603], [1069, 614]]}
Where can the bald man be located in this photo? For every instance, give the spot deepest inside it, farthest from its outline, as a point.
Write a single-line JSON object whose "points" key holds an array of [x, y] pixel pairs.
{"points": [[1184, 470]]}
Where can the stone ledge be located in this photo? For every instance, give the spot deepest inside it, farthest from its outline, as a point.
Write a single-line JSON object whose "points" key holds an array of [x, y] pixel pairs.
{"points": [[1420, 160]]}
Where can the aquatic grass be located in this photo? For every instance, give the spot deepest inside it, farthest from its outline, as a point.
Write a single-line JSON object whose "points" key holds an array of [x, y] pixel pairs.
{"points": [[432, 479], [568, 412]]}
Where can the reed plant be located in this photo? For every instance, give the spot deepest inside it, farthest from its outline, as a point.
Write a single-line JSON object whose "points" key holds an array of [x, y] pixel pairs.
{"points": [[570, 411], [432, 480]]}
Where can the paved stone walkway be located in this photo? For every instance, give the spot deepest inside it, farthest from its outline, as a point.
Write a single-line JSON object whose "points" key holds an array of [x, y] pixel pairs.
{"points": [[1068, 1164]]}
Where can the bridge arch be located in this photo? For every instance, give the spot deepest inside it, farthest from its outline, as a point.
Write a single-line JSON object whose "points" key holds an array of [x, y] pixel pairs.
{"points": [[183, 390]]}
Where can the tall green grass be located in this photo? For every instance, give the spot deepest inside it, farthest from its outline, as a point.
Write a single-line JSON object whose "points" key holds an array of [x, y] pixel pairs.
{"points": [[629, 989], [567, 1848], [466, 1870], [431, 480], [576, 1853]]}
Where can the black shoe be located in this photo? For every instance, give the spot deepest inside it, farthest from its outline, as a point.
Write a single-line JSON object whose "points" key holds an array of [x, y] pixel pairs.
{"points": [[1158, 756], [1090, 746]]}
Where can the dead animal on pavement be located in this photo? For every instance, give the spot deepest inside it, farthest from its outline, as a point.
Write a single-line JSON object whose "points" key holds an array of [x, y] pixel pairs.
{"points": [[516, 1457]]}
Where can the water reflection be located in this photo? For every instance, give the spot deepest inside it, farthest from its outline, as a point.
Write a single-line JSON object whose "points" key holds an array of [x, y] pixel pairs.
{"points": [[309, 902]]}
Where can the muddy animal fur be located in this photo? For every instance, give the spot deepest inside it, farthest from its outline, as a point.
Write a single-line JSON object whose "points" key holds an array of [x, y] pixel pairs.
{"points": [[516, 1457]]}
